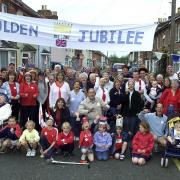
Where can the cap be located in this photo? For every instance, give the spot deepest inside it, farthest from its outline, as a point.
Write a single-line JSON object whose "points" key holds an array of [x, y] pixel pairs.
{"points": [[85, 119], [103, 121], [57, 65], [27, 74], [32, 71]]}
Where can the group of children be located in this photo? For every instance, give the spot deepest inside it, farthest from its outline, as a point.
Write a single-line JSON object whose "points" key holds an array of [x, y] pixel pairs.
{"points": [[98, 141]]}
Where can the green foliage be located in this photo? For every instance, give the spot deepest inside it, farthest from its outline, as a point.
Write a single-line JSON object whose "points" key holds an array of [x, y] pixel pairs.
{"points": [[122, 59]]}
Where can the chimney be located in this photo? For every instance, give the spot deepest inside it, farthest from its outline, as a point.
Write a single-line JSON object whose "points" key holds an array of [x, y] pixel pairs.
{"points": [[44, 7], [54, 13]]}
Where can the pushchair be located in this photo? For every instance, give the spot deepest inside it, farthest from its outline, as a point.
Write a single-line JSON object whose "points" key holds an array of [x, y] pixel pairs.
{"points": [[173, 145]]}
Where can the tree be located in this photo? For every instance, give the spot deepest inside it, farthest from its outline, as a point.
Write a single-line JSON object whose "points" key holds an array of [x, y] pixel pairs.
{"points": [[122, 59]]}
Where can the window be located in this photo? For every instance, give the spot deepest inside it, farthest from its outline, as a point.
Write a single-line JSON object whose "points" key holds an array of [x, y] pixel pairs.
{"points": [[4, 8], [12, 57], [28, 58], [45, 61], [178, 33], [7, 57], [3, 59]]}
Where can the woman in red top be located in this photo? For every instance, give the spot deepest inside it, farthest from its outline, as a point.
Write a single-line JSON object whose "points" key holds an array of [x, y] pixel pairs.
{"points": [[28, 97], [12, 89], [171, 100], [48, 141], [66, 139], [142, 144]]}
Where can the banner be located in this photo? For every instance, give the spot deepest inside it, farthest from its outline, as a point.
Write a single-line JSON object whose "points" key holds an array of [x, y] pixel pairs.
{"points": [[62, 34]]}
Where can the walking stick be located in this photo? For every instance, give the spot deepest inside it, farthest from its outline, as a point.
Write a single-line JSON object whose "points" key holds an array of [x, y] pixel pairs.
{"points": [[70, 163]]}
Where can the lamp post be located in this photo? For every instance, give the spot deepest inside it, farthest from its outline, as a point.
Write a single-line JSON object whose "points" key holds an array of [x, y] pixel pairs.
{"points": [[172, 32]]}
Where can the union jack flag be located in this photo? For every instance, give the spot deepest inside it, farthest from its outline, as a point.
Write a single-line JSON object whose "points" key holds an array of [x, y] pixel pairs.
{"points": [[61, 43]]}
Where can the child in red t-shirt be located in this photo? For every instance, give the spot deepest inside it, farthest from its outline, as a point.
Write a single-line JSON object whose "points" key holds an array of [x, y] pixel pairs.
{"points": [[120, 143], [48, 140], [10, 134], [66, 139], [86, 142]]}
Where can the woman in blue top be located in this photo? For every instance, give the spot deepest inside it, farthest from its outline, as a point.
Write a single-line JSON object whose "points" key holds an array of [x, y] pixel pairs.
{"points": [[76, 97]]}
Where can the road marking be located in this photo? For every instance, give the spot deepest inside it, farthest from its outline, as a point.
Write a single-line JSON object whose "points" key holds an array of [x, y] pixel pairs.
{"points": [[177, 163]]}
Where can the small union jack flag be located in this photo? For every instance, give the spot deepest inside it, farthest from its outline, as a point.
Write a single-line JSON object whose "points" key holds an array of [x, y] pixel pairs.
{"points": [[61, 43]]}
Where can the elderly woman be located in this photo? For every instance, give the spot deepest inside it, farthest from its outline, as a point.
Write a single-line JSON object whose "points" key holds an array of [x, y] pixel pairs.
{"points": [[159, 79], [83, 81], [171, 100]]}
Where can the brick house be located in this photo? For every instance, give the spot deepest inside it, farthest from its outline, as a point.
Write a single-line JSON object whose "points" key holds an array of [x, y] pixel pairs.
{"points": [[11, 52], [157, 59]]}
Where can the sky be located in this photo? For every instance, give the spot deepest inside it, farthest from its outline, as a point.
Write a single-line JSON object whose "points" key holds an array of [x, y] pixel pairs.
{"points": [[107, 12]]}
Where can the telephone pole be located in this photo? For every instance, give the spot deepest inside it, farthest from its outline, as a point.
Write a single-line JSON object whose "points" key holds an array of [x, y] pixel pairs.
{"points": [[172, 32]]}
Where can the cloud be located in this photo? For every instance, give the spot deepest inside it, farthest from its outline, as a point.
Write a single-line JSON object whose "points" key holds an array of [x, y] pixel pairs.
{"points": [[106, 11]]}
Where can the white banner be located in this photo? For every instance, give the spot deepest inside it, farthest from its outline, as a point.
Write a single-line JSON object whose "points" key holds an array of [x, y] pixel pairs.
{"points": [[64, 34]]}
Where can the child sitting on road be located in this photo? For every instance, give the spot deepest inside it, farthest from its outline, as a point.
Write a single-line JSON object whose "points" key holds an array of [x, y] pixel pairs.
{"points": [[86, 142], [48, 140], [120, 140], [103, 141], [142, 144], [30, 138], [10, 134], [66, 140]]}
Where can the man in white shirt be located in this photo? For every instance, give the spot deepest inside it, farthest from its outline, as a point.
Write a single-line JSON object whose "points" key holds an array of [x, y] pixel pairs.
{"points": [[139, 84], [108, 83], [171, 74], [101, 92]]}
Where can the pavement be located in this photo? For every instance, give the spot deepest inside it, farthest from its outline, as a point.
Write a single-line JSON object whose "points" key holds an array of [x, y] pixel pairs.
{"points": [[16, 166]]}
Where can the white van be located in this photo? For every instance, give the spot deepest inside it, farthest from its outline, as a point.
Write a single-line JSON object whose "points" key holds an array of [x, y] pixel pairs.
{"points": [[118, 66]]}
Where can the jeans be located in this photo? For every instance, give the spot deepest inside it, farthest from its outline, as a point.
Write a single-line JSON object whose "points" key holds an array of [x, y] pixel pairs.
{"points": [[131, 124], [76, 126], [45, 144], [102, 156], [29, 112], [170, 112]]}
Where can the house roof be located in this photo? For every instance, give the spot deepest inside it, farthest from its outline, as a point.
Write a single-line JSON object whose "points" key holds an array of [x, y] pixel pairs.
{"points": [[26, 8], [8, 44], [28, 47], [45, 51], [166, 24]]}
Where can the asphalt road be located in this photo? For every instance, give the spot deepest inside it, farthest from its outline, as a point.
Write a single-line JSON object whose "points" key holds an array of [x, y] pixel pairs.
{"points": [[15, 166]]}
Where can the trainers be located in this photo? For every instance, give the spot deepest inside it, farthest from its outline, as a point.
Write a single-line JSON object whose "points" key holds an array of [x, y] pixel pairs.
{"points": [[41, 156], [33, 153], [122, 156], [28, 154]]}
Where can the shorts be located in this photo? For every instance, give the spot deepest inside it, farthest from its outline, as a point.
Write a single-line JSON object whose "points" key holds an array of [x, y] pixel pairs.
{"points": [[86, 150], [14, 142], [147, 158]]}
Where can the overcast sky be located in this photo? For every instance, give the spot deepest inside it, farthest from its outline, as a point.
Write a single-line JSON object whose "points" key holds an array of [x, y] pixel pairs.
{"points": [[107, 12]]}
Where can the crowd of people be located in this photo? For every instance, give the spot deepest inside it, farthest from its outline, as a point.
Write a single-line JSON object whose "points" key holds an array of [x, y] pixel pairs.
{"points": [[106, 112]]}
